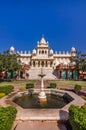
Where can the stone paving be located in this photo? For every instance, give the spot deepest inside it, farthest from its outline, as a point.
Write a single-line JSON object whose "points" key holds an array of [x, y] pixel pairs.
{"points": [[48, 114], [39, 125], [29, 119]]}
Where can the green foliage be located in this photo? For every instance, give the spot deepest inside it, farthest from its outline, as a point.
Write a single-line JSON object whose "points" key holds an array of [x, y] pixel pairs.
{"points": [[77, 88], [9, 62], [2, 95], [1, 80], [80, 60], [77, 117], [22, 89], [84, 106], [52, 85], [6, 89], [7, 116], [84, 97], [29, 85], [62, 88]]}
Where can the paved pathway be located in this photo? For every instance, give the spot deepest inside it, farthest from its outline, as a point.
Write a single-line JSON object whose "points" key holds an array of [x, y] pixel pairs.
{"points": [[39, 125]]}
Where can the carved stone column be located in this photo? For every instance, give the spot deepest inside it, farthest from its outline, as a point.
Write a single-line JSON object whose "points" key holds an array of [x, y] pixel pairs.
{"points": [[32, 63], [40, 64], [36, 63], [44, 63], [48, 64]]}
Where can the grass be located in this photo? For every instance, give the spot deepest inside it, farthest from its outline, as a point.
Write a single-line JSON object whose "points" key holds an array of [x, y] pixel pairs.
{"points": [[60, 83], [19, 83], [69, 83]]}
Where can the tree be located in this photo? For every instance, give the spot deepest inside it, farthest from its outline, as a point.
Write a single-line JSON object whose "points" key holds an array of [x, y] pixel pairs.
{"points": [[80, 61], [9, 62], [83, 62]]}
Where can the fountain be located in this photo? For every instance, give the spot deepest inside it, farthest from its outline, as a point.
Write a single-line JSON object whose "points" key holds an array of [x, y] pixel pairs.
{"points": [[42, 94], [42, 98]]}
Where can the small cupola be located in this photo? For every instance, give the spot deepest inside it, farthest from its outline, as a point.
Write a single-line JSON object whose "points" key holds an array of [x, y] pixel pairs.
{"points": [[51, 52], [34, 52], [12, 49]]}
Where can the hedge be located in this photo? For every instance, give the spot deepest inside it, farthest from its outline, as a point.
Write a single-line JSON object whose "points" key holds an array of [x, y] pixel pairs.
{"points": [[2, 95], [84, 97], [29, 85], [77, 117], [1, 80], [77, 88], [84, 106], [22, 89], [6, 89], [7, 116], [52, 85]]}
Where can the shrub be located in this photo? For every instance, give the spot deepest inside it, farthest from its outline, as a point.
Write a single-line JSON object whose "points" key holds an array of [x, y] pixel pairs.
{"points": [[77, 117], [77, 88], [84, 106], [84, 97], [62, 88], [22, 89], [1, 80], [2, 95], [7, 116], [6, 89], [52, 85], [29, 85]]}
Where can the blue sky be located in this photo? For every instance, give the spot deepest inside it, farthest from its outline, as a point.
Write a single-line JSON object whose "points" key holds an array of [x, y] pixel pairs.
{"points": [[63, 23]]}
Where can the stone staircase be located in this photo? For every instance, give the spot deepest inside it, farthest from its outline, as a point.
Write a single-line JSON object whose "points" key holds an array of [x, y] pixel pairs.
{"points": [[50, 74]]}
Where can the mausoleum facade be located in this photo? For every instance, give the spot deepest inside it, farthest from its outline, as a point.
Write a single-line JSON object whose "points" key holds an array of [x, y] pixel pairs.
{"points": [[44, 57]]}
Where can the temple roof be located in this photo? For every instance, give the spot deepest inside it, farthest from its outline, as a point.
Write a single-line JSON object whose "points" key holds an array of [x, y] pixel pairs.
{"points": [[43, 42]]}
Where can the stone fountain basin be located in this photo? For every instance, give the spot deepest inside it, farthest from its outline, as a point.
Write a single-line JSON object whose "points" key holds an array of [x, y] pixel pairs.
{"points": [[44, 114], [51, 99]]}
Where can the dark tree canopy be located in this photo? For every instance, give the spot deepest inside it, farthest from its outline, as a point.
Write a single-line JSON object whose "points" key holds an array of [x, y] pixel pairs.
{"points": [[80, 60], [9, 62]]}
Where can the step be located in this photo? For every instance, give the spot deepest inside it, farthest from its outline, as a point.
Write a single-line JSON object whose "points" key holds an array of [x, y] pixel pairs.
{"points": [[49, 74], [40, 125]]}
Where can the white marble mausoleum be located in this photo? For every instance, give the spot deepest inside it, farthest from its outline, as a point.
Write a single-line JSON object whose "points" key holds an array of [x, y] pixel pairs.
{"points": [[44, 57]]}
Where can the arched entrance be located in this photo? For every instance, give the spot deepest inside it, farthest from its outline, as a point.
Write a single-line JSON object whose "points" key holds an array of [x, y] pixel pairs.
{"points": [[42, 63]]}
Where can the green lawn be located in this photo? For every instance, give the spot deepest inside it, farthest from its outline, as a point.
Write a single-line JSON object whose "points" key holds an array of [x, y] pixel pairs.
{"points": [[17, 82], [60, 83], [68, 83]]}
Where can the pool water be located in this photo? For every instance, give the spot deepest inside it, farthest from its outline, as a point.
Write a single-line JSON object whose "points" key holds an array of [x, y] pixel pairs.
{"points": [[32, 101]]}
